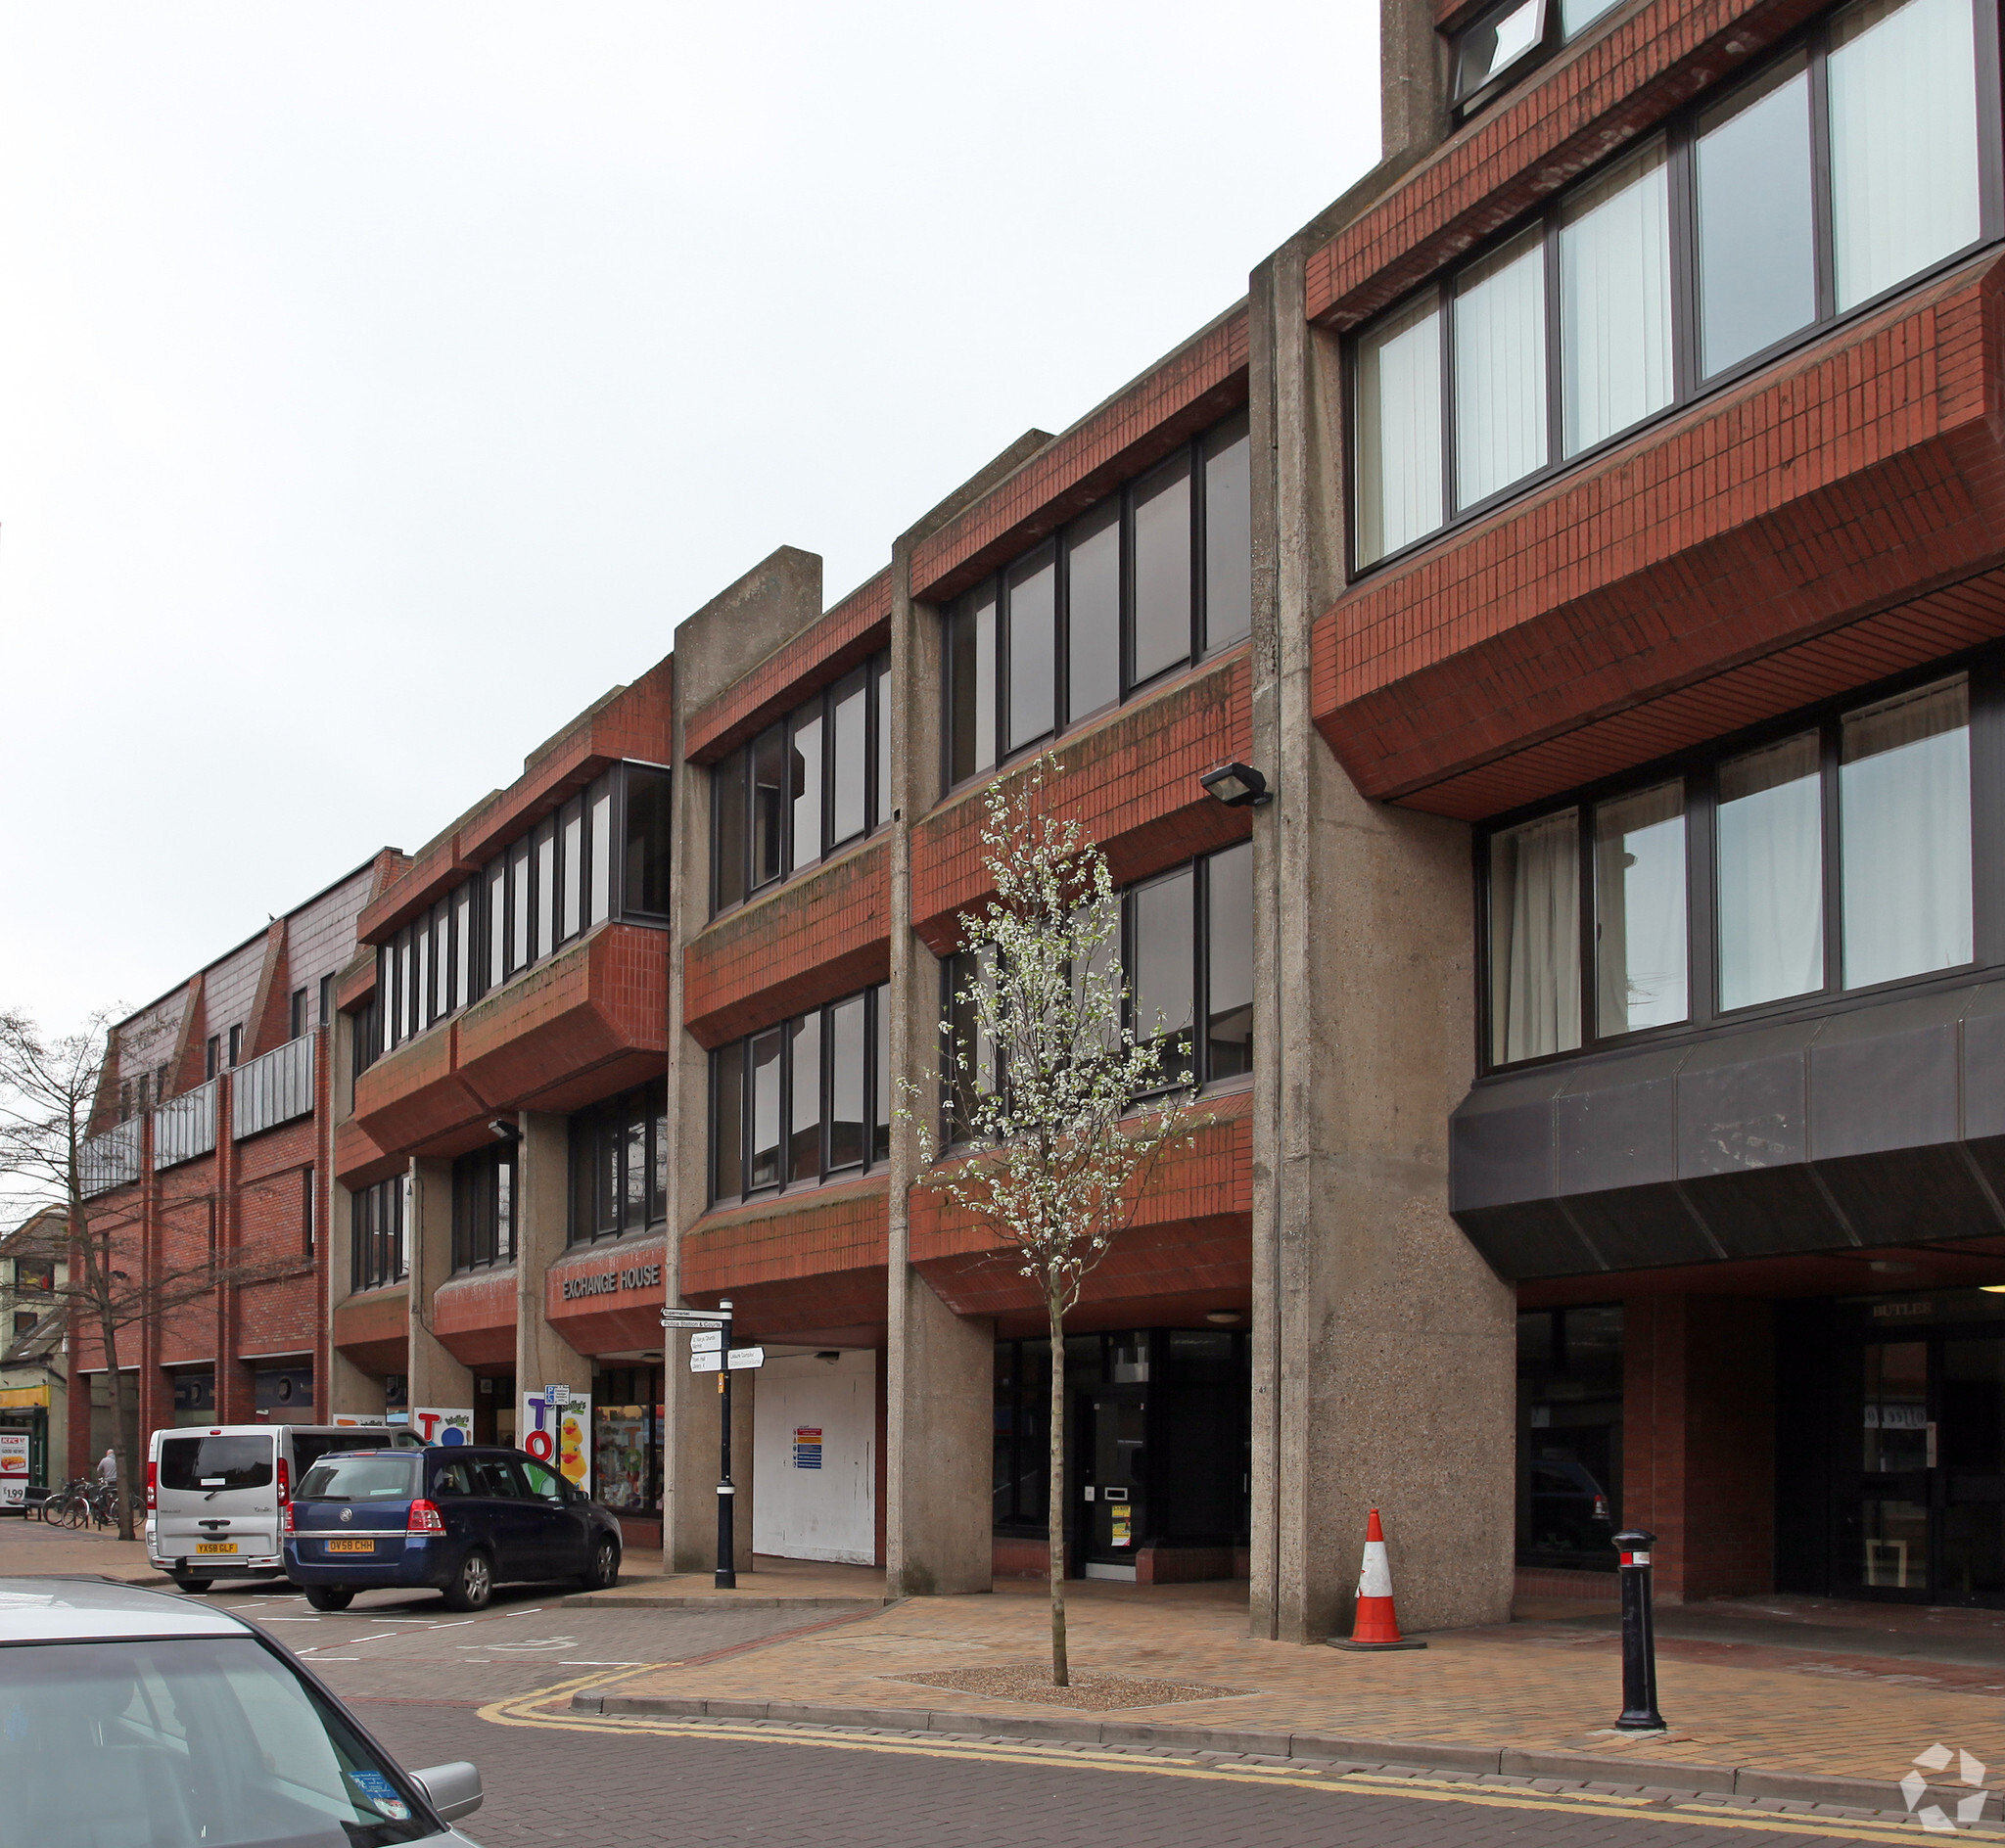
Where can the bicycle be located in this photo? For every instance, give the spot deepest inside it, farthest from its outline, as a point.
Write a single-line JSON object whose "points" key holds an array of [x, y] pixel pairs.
{"points": [[71, 1505]]}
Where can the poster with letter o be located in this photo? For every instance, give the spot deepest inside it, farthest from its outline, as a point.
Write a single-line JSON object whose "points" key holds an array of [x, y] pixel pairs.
{"points": [[560, 1436]]}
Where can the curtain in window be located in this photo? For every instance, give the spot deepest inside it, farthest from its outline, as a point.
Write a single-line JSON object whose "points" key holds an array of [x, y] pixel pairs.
{"points": [[1903, 78], [1640, 931], [1770, 855], [1500, 369], [1535, 938], [1615, 300], [1399, 431], [1903, 790]]}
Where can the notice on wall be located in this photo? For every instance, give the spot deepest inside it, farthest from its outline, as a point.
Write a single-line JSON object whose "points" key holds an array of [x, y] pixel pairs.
{"points": [[806, 1447], [12, 1468], [443, 1424], [560, 1436]]}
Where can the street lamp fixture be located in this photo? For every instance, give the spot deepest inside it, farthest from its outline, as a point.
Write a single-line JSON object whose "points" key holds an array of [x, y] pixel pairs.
{"points": [[1237, 786]]}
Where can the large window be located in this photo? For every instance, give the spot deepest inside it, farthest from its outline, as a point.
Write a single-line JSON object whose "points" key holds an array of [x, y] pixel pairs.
{"points": [[1834, 856], [806, 1100], [807, 785], [1185, 948], [484, 1208], [377, 1217], [1509, 39], [1844, 169], [1150, 579], [604, 853], [619, 1164]]}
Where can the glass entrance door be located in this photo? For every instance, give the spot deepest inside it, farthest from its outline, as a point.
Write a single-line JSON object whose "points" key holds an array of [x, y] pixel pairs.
{"points": [[1922, 1511]]}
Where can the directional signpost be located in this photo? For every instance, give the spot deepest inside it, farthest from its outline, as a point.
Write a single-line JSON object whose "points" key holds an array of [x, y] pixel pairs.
{"points": [[710, 1344]]}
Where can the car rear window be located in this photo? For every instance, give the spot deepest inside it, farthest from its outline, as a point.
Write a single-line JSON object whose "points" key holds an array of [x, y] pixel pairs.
{"points": [[374, 1478], [200, 1463]]}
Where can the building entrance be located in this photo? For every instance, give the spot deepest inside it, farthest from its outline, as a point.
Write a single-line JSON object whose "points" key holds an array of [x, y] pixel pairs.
{"points": [[1113, 1429]]}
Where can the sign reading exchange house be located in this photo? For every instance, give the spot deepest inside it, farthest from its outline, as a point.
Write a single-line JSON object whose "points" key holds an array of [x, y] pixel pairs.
{"points": [[640, 1277]]}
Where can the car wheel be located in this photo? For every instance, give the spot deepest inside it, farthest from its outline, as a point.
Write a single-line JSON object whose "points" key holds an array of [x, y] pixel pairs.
{"points": [[473, 1584], [604, 1571], [193, 1587], [330, 1596]]}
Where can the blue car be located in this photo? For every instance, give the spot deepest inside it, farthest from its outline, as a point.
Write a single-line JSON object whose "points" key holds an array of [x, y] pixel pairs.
{"points": [[461, 1518]]}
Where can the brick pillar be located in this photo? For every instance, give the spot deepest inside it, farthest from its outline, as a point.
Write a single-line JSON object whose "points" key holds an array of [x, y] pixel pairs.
{"points": [[1699, 1440], [234, 1393]]}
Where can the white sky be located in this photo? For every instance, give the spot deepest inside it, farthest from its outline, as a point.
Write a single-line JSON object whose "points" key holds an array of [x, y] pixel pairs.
{"points": [[381, 382]]}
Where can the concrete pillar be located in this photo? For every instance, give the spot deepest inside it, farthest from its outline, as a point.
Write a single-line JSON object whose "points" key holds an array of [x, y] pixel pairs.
{"points": [[432, 1375], [1383, 1345], [348, 1388], [939, 1369], [1699, 1440], [542, 1180]]}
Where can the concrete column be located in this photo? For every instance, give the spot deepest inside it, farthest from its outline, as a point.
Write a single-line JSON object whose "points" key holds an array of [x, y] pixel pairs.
{"points": [[432, 1375], [542, 1180], [1383, 1345], [348, 1388], [939, 1369]]}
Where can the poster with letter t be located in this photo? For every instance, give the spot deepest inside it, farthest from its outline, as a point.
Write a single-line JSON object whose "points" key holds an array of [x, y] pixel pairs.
{"points": [[560, 1435]]}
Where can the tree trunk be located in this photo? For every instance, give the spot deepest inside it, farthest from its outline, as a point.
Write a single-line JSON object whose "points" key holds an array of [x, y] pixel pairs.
{"points": [[124, 1432], [1060, 1673]]}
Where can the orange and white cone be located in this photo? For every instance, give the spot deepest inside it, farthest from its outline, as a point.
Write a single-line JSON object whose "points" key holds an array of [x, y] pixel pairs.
{"points": [[1376, 1625]]}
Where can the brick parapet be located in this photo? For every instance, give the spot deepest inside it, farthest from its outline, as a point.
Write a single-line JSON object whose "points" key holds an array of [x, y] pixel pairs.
{"points": [[815, 939], [1655, 598]]}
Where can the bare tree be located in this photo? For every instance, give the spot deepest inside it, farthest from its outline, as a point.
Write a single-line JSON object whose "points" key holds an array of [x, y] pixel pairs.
{"points": [[1060, 1106], [49, 1088]]}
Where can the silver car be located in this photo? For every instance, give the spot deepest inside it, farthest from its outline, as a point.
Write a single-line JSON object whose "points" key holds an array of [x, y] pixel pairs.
{"points": [[131, 1717]]}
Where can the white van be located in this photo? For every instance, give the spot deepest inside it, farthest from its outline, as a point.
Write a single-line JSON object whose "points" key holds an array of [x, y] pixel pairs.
{"points": [[214, 1493]]}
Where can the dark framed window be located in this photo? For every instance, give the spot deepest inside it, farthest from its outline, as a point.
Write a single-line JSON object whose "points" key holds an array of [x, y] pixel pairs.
{"points": [[484, 1208], [1863, 155], [1826, 853], [1145, 581], [619, 1164], [298, 1019], [236, 1046], [801, 1102], [377, 1220], [608, 844], [1185, 947], [1512, 38], [34, 1273], [807, 785], [211, 1055]]}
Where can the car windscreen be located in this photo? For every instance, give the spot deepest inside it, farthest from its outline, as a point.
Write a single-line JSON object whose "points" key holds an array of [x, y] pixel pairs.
{"points": [[202, 1463], [360, 1479], [208, 1742]]}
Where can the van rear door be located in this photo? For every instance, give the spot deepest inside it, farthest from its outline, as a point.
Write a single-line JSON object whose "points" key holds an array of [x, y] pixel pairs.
{"points": [[216, 1496]]}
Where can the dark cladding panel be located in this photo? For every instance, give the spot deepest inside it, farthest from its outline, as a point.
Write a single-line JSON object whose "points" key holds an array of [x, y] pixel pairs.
{"points": [[1616, 1125], [1983, 1063], [1501, 1144], [1528, 1241], [1741, 1104], [1635, 1228], [1765, 1212], [1885, 1078], [1907, 1195]]}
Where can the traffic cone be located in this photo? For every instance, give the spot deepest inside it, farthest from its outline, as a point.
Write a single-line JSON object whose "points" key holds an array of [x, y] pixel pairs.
{"points": [[1375, 1626]]}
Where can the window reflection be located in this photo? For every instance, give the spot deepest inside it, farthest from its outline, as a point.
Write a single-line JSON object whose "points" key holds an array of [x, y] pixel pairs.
{"points": [[1770, 832], [1640, 909]]}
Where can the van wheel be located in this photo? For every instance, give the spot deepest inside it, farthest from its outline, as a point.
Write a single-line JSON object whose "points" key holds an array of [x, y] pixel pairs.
{"points": [[604, 1572], [473, 1584], [193, 1587], [330, 1596]]}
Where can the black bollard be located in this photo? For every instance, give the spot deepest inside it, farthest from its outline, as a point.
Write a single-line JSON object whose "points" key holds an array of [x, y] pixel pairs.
{"points": [[1639, 1637]]}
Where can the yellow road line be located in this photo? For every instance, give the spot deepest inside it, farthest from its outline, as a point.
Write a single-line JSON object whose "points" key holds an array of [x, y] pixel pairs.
{"points": [[522, 1710]]}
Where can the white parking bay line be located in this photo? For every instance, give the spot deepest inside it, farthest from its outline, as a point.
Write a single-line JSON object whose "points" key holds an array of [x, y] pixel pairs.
{"points": [[573, 1664]]}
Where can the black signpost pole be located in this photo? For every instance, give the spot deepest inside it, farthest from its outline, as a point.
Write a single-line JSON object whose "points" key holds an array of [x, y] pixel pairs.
{"points": [[726, 1495]]}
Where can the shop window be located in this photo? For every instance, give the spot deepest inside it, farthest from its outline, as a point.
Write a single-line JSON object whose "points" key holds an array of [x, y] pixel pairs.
{"points": [[1724, 211], [788, 1105], [484, 1191], [378, 1218], [1881, 792], [618, 1165], [1146, 582], [626, 1438], [1569, 1437], [814, 781]]}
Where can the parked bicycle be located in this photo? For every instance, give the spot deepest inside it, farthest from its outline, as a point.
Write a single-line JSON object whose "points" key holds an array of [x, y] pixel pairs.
{"points": [[69, 1506]]}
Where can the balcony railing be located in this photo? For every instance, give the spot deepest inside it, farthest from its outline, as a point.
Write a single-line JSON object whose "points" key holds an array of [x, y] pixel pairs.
{"points": [[184, 1127], [110, 1160], [273, 1090]]}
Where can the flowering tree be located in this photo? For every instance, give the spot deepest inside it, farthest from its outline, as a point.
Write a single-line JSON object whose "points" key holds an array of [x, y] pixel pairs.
{"points": [[1053, 1142]]}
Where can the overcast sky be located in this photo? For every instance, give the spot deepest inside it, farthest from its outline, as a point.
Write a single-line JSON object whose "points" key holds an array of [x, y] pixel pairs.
{"points": [[379, 383]]}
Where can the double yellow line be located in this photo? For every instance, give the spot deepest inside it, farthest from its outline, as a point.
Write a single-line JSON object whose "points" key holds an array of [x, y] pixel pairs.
{"points": [[532, 1710]]}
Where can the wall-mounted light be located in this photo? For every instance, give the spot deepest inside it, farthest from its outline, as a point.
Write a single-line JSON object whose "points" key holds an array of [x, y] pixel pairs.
{"points": [[1237, 786], [1225, 1317], [504, 1129]]}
